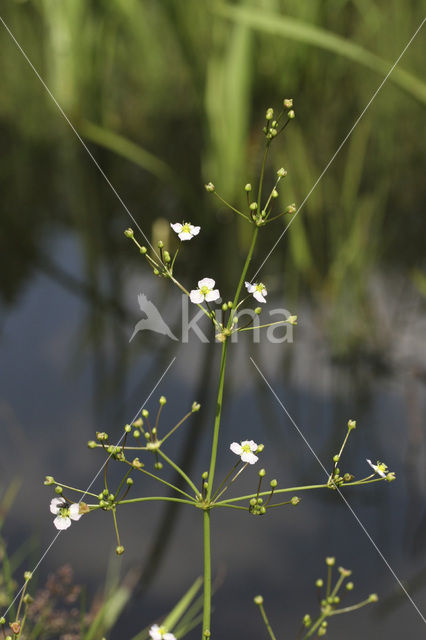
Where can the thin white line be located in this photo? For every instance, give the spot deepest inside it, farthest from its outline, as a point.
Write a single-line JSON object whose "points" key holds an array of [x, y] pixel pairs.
{"points": [[340, 493], [86, 148], [341, 145], [88, 488]]}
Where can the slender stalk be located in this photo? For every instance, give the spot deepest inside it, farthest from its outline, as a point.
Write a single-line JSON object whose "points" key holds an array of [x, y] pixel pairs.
{"points": [[266, 621], [230, 206], [179, 471], [168, 484], [155, 499], [243, 275], [207, 596]]}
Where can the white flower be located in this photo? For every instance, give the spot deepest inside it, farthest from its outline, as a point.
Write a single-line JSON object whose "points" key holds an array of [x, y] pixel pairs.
{"points": [[205, 292], [160, 633], [245, 450], [63, 513], [379, 468], [258, 290], [185, 231]]}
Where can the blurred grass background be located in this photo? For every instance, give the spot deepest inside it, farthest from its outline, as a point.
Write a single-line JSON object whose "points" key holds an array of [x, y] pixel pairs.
{"points": [[171, 94]]}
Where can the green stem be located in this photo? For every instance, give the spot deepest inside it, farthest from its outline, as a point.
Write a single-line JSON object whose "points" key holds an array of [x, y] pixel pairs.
{"points": [[217, 420], [266, 621], [180, 472], [315, 626], [231, 207], [168, 484], [207, 596], [243, 275], [155, 499]]}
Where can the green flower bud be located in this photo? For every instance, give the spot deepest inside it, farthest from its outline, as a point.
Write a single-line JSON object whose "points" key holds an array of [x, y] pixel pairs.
{"points": [[129, 481], [307, 621], [27, 599], [58, 490], [143, 250], [319, 583], [158, 465], [260, 448], [28, 575], [288, 103], [224, 307], [127, 428], [291, 114], [274, 193], [259, 500], [160, 244], [349, 586], [145, 413], [49, 480], [166, 256], [269, 114], [230, 304], [281, 172], [258, 600], [129, 233], [253, 206], [2, 620], [351, 424], [195, 407], [262, 473], [156, 272], [205, 475], [163, 400], [330, 561], [262, 510], [209, 186], [373, 597], [272, 132], [119, 550], [258, 311], [247, 187], [273, 484], [336, 458], [291, 208], [253, 502], [295, 500], [105, 492]]}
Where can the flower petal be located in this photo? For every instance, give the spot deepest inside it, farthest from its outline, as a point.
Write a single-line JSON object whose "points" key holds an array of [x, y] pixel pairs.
{"points": [[185, 235], [196, 296], [251, 443], [169, 636], [236, 448], [206, 282], [194, 230], [248, 456], [62, 523], [376, 469], [75, 511], [213, 295], [258, 296], [177, 227], [250, 287], [56, 504], [154, 632]]}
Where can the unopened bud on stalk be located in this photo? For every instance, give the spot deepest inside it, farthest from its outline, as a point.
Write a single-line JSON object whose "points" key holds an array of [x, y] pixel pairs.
{"points": [[129, 233], [295, 500], [274, 193], [330, 561], [262, 473], [58, 490], [291, 114], [247, 187], [269, 114], [209, 187], [195, 407], [166, 256], [319, 583], [258, 311], [49, 480], [119, 550], [253, 206], [258, 600], [143, 250], [288, 103], [351, 424], [273, 484], [163, 400]]}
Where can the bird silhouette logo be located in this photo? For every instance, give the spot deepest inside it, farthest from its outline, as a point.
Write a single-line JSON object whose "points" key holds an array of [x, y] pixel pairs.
{"points": [[153, 321]]}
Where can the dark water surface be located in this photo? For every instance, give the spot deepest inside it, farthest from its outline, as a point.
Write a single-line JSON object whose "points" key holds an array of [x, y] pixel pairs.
{"points": [[65, 374]]}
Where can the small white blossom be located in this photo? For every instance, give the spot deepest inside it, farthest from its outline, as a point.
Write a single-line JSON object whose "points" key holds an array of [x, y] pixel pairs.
{"points": [[63, 513], [379, 468], [245, 450], [258, 290], [160, 633], [206, 291], [185, 231]]}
